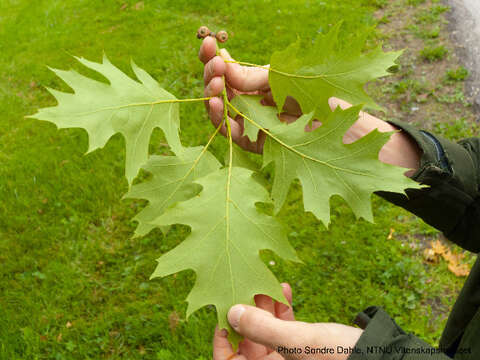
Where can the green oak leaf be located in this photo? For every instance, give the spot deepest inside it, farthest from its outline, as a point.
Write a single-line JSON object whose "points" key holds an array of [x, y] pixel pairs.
{"points": [[240, 159], [124, 106], [249, 105], [227, 233], [326, 166], [323, 69], [172, 181]]}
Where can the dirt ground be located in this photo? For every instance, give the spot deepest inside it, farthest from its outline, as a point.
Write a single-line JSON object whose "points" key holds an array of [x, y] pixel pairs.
{"points": [[429, 90], [464, 26]]}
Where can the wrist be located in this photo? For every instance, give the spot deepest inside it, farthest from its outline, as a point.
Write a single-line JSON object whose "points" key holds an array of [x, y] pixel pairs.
{"points": [[400, 150], [364, 125]]}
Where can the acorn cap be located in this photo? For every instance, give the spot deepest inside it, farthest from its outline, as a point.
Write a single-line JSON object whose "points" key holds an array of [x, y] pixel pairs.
{"points": [[222, 36], [203, 32]]}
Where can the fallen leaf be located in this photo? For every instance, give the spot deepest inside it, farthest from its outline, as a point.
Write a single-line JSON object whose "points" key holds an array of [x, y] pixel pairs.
{"points": [[68, 324], [139, 5], [59, 337], [453, 258], [430, 256], [437, 247], [173, 320], [390, 234], [459, 269], [454, 264], [124, 6]]}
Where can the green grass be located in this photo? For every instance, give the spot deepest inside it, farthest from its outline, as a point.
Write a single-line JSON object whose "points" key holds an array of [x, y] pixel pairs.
{"points": [[458, 74], [458, 129], [73, 284], [415, 2], [408, 86], [433, 53], [432, 15]]}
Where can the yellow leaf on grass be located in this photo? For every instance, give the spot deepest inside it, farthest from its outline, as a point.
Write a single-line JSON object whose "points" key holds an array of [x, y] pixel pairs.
{"points": [[453, 259], [390, 234], [459, 269], [438, 247], [430, 256]]}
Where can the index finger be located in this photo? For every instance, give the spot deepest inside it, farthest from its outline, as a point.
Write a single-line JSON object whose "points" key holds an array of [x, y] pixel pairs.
{"points": [[208, 49], [222, 349]]}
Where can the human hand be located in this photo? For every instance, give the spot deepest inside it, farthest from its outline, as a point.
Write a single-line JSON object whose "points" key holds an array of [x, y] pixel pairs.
{"points": [[271, 326], [240, 80], [400, 150]]}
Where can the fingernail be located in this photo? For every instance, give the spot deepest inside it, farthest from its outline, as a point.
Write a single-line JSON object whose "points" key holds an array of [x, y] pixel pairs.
{"points": [[221, 332], [234, 315]]}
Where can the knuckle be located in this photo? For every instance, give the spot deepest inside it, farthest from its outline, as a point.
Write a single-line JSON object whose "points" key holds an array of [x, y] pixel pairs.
{"points": [[211, 68], [207, 72]]}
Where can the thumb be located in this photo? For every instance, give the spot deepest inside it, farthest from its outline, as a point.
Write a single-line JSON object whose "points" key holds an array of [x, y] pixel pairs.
{"points": [[262, 327], [226, 55]]}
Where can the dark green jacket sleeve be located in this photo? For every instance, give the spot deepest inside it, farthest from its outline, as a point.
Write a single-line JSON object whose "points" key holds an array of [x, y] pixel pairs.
{"points": [[383, 339], [452, 202], [452, 205]]}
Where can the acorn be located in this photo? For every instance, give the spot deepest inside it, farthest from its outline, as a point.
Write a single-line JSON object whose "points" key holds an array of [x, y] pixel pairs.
{"points": [[203, 32], [222, 36]]}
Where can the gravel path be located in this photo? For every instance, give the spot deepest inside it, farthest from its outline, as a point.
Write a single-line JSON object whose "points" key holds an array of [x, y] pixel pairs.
{"points": [[465, 26]]}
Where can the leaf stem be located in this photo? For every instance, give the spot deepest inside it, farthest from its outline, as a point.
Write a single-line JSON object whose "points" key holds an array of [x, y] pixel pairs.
{"points": [[204, 150], [163, 102], [181, 100], [195, 162], [229, 129], [143, 104], [229, 132], [229, 176]]}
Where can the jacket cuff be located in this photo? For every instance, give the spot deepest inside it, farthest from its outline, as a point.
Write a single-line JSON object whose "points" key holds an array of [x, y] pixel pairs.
{"points": [[452, 202], [442, 160], [383, 339]]}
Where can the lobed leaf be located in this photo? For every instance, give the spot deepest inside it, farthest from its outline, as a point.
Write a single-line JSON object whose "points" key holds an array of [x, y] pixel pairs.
{"points": [[249, 105], [219, 205], [172, 182], [313, 74], [326, 166], [227, 233], [124, 106]]}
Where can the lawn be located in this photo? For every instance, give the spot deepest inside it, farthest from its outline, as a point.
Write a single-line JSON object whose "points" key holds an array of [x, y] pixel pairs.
{"points": [[74, 284]]}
